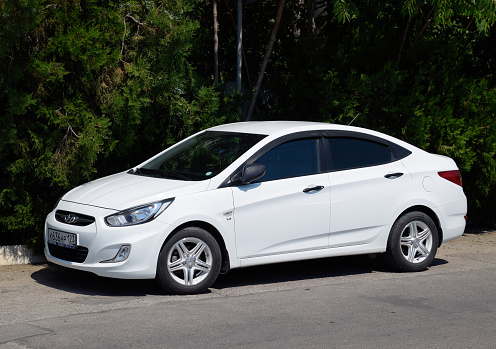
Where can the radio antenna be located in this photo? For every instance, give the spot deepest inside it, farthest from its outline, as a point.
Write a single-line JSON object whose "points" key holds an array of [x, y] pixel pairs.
{"points": [[353, 119]]}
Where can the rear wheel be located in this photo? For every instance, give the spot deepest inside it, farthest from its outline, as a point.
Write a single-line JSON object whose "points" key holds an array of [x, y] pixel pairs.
{"points": [[413, 242], [189, 262]]}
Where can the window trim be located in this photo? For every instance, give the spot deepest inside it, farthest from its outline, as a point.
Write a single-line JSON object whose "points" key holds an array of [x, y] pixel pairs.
{"points": [[317, 135], [312, 140], [397, 152]]}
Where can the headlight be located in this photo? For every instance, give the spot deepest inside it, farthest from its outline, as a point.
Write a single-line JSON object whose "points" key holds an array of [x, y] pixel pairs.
{"points": [[137, 215]]}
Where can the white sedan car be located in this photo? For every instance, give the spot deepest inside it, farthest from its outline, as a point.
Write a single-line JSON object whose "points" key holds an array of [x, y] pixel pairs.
{"points": [[254, 193]]}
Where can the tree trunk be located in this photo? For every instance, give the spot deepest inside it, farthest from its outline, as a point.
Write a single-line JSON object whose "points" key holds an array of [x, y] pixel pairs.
{"points": [[280, 7], [403, 40], [216, 43], [311, 18]]}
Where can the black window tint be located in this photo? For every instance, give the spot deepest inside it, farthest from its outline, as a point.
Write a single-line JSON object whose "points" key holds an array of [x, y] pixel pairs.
{"points": [[291, 159], [349, 153], [399, 152]]}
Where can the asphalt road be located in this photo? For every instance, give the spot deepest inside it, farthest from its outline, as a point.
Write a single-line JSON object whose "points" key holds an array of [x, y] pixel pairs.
{"points": [[352, 302]]}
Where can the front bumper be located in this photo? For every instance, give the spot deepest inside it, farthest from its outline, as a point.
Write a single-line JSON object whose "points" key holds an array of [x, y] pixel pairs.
{"points": [[103, 243]]}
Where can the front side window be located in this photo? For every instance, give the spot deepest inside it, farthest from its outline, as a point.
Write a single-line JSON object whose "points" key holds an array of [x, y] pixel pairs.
{"points": [[347, 153], [295, 158], [200, 157]]}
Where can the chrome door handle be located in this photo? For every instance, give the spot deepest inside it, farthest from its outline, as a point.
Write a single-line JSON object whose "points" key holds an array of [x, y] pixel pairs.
{"points": [[316, 188], [394, 175]]}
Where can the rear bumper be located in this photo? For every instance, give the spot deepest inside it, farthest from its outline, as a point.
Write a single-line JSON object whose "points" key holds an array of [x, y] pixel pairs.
{"points": [[453, 219]]}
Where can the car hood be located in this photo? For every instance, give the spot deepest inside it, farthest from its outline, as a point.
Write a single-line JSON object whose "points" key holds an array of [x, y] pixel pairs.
{"points": [[124, 190]]}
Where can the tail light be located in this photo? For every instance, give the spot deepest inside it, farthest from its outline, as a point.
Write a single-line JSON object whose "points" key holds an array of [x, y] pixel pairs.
{"points": [[452, 176]]}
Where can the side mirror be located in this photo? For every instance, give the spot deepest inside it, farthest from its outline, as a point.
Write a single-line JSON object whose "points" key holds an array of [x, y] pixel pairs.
{"points": [[251, 173]]}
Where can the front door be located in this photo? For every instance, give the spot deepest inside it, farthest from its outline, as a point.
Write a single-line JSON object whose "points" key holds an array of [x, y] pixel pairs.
{"points": [[288, 209]]}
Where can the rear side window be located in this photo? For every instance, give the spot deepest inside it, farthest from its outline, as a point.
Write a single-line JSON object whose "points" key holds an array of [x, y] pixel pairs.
{"points": [[347, 153], [295, 158]]}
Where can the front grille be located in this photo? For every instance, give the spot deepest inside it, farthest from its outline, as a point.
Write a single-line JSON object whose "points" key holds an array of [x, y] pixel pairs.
{"points": [[73, 218], [77, 255]]}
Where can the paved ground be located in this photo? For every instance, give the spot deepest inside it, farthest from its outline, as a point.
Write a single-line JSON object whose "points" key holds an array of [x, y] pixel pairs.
{"points": [[337, 302]]}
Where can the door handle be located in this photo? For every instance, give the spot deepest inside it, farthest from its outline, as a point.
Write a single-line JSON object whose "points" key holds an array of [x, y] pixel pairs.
{"points": [[316, 188], [394, 175]]}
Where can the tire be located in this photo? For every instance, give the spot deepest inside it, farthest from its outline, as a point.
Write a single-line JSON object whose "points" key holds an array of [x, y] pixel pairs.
{"points": [[412, 243], [189, 262]]}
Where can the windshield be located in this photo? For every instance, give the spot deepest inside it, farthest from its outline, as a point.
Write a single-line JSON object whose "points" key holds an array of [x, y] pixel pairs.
{"points": [[200, 157]]}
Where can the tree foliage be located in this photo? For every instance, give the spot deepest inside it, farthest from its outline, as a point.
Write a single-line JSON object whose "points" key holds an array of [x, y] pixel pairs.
{"points": [[419, 70], [92, 87]]}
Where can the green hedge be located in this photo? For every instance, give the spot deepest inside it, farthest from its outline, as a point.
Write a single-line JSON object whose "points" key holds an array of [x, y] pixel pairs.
{"points": [[89, 88]]}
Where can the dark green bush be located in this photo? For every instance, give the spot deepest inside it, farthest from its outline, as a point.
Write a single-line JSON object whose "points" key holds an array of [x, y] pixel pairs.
{"points": [[89, 88]]}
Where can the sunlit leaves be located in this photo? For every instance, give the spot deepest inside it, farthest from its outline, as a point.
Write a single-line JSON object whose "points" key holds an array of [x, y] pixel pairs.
{"points": [[444, 12], [345, 10]]}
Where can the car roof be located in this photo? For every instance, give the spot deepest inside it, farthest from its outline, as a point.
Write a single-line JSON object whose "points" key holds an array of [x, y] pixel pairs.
{"points": [[274, 127]]}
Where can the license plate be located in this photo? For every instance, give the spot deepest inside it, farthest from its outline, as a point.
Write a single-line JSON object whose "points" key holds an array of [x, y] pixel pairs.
{"points": [[60, 238]]}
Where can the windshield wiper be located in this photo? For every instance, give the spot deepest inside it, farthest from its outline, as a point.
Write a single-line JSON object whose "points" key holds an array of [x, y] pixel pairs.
{"points": [[160, 173], [176, 175]]}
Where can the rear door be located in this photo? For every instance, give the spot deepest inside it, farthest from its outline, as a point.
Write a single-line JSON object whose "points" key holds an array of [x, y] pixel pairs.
{"points": [[368, 186]]}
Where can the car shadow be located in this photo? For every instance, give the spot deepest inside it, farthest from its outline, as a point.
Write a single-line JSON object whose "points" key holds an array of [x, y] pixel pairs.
{"points": [[306, 270], [438, 261], [85, 283]]}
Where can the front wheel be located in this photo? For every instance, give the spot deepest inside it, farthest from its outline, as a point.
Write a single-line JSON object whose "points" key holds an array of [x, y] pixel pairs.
{"points": [[189, 262], [413, 242]]}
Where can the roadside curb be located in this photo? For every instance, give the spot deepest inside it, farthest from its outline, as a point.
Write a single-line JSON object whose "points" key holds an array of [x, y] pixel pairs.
{"points": [[18, 254]]}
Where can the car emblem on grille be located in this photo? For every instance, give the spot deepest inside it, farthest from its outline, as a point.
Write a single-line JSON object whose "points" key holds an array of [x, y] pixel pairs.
{"points": [[71, 218]]}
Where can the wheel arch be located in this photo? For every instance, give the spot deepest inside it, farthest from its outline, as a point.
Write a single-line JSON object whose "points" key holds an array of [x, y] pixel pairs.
{"points": [[224, 267], [428, 211]]}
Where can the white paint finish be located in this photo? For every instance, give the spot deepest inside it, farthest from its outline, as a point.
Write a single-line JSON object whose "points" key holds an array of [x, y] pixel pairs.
{"points": [[278, 217], [270, 127], [210, 207], [421, 165], [453, 220], [376, 246], [275, 221], [103, 242], [428, 184], [363, 202], [123, 190]]}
